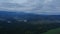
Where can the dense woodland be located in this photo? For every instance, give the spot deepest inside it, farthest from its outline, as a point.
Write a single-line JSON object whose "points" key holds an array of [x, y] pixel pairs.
{"points": [[25, 27], [36, 24]]}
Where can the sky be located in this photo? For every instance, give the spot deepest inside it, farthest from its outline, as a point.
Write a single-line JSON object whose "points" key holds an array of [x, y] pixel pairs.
{"points": [[31, 6]]}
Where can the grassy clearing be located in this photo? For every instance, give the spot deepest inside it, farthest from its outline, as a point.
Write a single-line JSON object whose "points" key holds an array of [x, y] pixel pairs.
{"points": [[53, 31]]}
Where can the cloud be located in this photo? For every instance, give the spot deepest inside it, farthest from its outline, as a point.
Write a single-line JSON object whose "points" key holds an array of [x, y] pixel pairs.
{"points": [[27, 6], [32, 6]]}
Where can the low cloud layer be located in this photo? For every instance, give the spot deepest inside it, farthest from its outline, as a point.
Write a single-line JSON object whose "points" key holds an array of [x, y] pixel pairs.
{"points": [[31, 6]]}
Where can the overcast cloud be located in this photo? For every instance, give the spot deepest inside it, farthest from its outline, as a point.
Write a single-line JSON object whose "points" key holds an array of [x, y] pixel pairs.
{"points": [[31, 6]]}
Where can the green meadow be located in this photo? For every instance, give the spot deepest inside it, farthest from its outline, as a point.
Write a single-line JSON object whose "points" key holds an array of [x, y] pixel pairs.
{"points": [[53, 31]]}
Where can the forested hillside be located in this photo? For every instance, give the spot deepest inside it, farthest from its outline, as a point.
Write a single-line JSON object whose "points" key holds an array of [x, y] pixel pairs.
{"points": [[27, 23]]}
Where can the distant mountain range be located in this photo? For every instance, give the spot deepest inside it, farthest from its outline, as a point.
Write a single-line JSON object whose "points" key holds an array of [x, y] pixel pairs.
{"points": [[28, 16]]}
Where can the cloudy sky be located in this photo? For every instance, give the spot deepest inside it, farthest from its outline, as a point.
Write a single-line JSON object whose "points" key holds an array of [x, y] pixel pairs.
{"points": [[31, 6]]}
